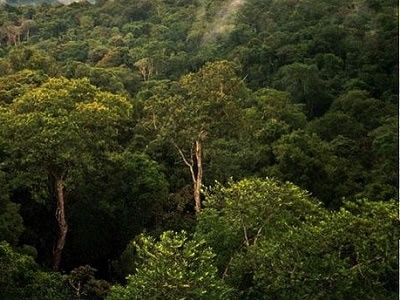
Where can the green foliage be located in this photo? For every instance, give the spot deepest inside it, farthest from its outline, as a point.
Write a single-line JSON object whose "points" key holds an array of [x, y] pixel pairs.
{"points": [[60, 132], [237, 217], [349, 253], [11, 222], [85, 286], [307, 161], [265, 205], [144, 194], [188, 67], [202, 105], [21, 278], [114, 80], [5, 67], [272, 240], [175, 267], [61, 124], [303, 82], [73, 51], [362, 108], [127, 196], [385, 141], [19, 83], [32, 58], [278, 105], [206, 101], [334, 124]]}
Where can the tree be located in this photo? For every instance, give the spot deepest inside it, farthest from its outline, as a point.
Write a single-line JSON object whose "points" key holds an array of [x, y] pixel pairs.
{"points": [[273, 241], [384, 176], [113, 80], [239, 215], [13, 33], [202, 104], [85, 286], [15, 85], [27, 26], [58, 131], [278, 105], [34, 59], [175, 267], [310, 163], [21, 278], [303, 82], [145, 67], [346, 254], [364, 109], [334, 124]]}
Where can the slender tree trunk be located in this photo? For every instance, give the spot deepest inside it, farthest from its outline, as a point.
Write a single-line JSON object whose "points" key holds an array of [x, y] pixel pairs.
{"points": [[197, 183], [197, 177], [62, 224], [10, 39]]}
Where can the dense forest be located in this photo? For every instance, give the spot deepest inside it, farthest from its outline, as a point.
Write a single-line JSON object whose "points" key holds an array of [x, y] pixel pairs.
{"points": [[199, 149]]}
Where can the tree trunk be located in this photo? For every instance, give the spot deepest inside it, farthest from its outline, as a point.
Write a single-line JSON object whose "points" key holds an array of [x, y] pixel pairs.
{"points": [[197, 177], [197, 183], [62, 224]]}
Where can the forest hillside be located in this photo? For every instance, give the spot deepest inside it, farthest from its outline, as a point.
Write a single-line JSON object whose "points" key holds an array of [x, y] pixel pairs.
{"points": [[198, 149]]}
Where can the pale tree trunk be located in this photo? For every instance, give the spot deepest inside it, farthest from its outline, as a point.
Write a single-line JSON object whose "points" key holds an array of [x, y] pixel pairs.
{"points": [[197, 177], [62, 224]]}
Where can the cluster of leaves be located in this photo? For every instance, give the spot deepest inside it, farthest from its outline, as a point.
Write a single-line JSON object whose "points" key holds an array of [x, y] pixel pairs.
{"points": [[345, 254], [22, 278], [175, 267]]}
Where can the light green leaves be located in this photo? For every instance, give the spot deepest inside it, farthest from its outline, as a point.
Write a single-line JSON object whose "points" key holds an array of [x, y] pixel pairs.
{"points": [[273, 241], [61, 124], [175, 267]]}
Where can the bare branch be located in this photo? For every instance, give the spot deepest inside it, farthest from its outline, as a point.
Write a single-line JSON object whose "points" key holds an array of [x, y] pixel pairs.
{"points": [[245, 234], [258, 234], [154, 121], [186, 161], [227, 267]]}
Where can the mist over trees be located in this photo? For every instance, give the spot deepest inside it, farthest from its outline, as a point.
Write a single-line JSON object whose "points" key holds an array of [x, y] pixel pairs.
{"points": [[197, 149]]}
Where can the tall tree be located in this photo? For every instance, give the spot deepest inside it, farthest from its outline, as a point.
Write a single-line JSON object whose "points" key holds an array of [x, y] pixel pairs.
{"points": [[204, 104], [58, 131]]}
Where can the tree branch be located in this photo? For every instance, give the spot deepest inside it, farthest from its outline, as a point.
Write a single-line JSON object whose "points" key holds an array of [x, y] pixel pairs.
{"points": [[227, 267], [186, 161], [258, 234], [245, 234]]}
